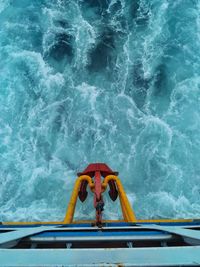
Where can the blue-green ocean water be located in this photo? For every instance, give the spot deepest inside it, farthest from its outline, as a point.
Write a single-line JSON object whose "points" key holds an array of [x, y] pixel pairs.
{"points": [[115, 81]]}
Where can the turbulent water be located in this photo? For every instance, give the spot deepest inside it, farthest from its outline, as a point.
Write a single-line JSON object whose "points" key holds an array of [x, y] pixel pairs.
{"points": [[113, 81]]}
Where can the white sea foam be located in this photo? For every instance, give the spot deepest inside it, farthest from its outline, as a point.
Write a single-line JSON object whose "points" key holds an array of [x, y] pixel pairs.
{"points": [[89, 81]]}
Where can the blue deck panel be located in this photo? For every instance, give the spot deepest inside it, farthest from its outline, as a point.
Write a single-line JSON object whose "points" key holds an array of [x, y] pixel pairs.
{"points": [[92, 233]]}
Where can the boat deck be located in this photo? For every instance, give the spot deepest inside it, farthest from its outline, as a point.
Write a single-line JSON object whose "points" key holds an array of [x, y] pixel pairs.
{"points": [[114, 244]]}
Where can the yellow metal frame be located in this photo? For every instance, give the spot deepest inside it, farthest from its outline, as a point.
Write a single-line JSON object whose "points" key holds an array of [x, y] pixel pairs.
{"points": [[127, 211]]}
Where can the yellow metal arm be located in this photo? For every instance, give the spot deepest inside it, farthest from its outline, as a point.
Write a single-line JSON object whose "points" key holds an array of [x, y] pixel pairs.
{"points": [[72, 203], [127, 211]]}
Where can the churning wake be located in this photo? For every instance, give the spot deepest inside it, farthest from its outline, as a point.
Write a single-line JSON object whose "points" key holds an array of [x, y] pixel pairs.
{"points": [[114, 81]]}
